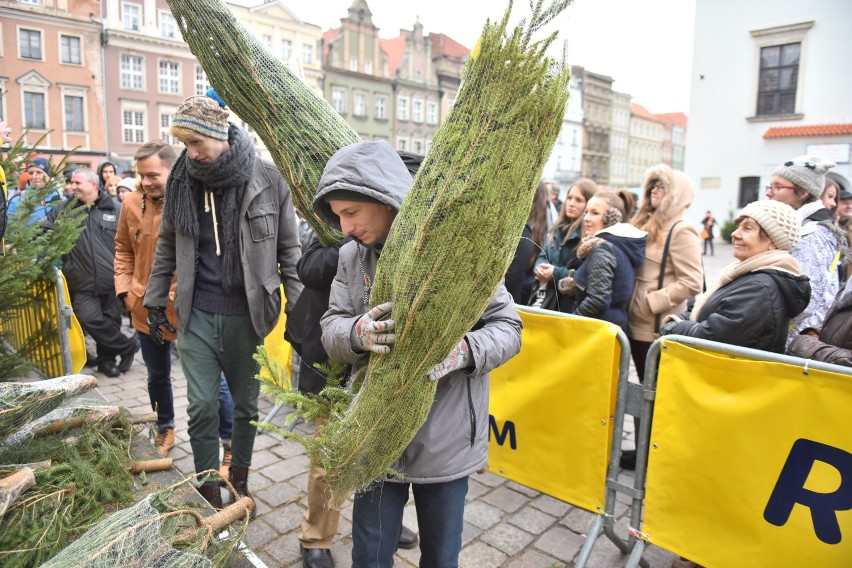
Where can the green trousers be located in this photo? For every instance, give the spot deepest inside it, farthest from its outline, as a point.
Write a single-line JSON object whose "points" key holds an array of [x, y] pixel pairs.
{"points": [[213, 344]]}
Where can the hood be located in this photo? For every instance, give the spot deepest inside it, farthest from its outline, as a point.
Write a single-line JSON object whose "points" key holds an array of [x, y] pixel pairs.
{"points": [[679, 190], [629, 239], [795, 290], [372, 169]]}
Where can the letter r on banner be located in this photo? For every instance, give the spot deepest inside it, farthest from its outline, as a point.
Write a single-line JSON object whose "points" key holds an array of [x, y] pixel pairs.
{"points": [[790, 489]]}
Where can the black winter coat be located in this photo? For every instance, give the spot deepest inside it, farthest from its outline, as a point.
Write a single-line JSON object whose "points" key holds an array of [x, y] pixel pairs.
{"points": [[89, 266], [317, 268], [835, 339], [519, 276], [752, 311]]}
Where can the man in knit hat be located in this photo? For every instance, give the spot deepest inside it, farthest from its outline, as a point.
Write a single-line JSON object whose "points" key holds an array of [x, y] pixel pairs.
{"points": [[229, 235], [799, 183]]}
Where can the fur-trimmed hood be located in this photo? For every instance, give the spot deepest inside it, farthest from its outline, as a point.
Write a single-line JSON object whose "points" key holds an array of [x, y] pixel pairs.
{"points": [[679, 191]]}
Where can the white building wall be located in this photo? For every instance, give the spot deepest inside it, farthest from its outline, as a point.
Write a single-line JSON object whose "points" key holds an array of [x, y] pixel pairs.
{"points": [[722, 145], [566, 158]]}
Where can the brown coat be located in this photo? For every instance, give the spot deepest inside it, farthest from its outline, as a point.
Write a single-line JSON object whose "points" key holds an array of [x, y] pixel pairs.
{"points": [[684, 272], [135, 244]]}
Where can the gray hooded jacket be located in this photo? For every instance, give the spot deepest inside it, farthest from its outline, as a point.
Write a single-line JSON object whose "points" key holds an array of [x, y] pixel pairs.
{"points": [[453, 442]]}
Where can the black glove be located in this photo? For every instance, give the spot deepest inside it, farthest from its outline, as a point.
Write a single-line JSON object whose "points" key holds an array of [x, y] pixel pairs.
{"points": [[122, 297], [156, 319]]}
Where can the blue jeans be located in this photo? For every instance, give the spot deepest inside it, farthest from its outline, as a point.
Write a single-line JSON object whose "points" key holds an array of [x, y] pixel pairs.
{"points": [[377, 522], [226, 410], [158, 361]]}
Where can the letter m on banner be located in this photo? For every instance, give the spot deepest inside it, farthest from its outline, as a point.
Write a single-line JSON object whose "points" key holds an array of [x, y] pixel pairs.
{"points": [[500, 435], [790, 489]]}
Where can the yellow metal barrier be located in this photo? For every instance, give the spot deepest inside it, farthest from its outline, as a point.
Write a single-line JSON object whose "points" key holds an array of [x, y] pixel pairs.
{"points": [[60, 348], [750, 462], [551, 408]]}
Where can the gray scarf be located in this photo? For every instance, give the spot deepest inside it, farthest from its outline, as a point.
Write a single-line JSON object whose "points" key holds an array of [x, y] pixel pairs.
{"points": [[227, 177]]}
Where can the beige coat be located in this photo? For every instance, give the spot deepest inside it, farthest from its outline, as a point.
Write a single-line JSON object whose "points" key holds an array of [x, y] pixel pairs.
{"points": [[684, 274]]}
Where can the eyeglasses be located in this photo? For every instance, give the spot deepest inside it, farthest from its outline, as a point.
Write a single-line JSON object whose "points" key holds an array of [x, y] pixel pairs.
{"points": [[658, 187], [776, 188]]}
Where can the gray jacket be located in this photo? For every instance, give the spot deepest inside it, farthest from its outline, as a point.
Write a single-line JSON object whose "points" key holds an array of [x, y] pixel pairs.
{"points": [[269, 247], [453, 442]]}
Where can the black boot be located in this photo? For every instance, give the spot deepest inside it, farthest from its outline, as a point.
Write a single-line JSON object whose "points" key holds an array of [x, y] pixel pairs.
{"points": [[210, 492], [238, 476]]}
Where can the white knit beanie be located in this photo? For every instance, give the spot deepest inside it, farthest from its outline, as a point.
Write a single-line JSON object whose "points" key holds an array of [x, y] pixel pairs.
{"points": [[807, 172], [779, 220]]}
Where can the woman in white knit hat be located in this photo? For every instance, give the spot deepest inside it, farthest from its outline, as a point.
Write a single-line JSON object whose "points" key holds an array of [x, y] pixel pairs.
{"points": [[753, 301], [800, 183]]}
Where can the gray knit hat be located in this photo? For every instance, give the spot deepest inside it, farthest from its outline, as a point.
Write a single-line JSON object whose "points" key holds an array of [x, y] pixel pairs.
{"points": [[807, 172], [203, 115], [779, 220]]}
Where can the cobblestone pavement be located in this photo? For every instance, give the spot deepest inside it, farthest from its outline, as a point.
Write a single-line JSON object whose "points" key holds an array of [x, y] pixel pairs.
{"points": [[506, 524]]}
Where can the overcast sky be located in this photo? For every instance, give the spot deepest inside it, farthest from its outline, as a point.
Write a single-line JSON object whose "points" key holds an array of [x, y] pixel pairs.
{"points": [[645, 45]]}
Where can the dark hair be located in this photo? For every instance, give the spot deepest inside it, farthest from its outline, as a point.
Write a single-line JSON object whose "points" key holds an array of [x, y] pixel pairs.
{"points": [[588, 188], [538, 220], [163, 151]]}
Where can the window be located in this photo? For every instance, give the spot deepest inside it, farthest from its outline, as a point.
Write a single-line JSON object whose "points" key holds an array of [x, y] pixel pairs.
{"points": [[166, 117], [131, 16], [73, 107], [368, 67], [69, 50], [360, 107], [749, 190], [307, 54], [34, 111], [338, 100], [133, 126], [353, 63], [418, 75], [417, 146], [31, 2], [201, 82], [402, 109], [30, 44], [402, 144], [286, 49], [169, 77], [266, 40], [417, 110], [381, 107], [168, 28], [131, 71], [779, 76], [432, 112]]}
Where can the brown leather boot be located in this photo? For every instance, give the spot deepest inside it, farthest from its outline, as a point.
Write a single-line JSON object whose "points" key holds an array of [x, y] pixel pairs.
{"points": [[165, 441], [225, 468], [210, 492], [239, 479]]}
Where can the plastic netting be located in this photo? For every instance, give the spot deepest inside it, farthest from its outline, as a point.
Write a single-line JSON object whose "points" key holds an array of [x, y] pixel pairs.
{"points": [[453, 239], [20, 403], [300, 129], [132, 537]]}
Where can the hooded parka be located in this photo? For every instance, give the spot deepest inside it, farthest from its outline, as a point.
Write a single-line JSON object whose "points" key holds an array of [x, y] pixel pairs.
{"points": [[453, 442], [684, 274]]}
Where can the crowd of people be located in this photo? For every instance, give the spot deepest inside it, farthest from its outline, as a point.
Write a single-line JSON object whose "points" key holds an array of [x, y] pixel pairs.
{"points": [[197, 247]]}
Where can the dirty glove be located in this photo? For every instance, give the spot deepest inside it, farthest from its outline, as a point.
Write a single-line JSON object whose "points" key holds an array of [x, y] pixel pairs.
{"points": [[156, 319], [369, 334], [459, 358]]}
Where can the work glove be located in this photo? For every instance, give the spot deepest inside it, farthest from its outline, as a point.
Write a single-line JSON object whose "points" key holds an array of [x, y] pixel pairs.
{"points": [[157, 319], [459, 358], [369, 334]]}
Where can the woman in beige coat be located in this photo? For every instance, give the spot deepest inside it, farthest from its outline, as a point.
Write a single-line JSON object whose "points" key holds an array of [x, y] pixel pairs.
{"points": [[666, 194]]}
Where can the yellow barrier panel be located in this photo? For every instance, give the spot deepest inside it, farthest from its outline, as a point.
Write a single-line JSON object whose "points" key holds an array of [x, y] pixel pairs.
{"points": [[750, 462], [551, 404], [76, 340], [276, 346]]}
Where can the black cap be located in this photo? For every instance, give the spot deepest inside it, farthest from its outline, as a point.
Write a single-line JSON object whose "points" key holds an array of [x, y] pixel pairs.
{"points": [[844, 194]]}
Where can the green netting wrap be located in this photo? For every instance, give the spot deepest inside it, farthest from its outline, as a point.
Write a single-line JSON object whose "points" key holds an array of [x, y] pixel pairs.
{"points": [[453, 239], [300, 129]]}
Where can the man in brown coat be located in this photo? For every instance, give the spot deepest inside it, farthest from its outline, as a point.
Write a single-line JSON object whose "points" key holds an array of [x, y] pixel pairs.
{"points": [[135, 244]]}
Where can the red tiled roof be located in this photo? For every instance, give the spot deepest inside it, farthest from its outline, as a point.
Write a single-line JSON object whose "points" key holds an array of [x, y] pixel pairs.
{"points": [[443, 44], [395, 48], [673, 118], [812, 130], [642, 112]]}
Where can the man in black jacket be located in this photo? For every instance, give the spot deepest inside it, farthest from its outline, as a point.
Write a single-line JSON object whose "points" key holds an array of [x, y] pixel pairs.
{"points": [[90, 273]]}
